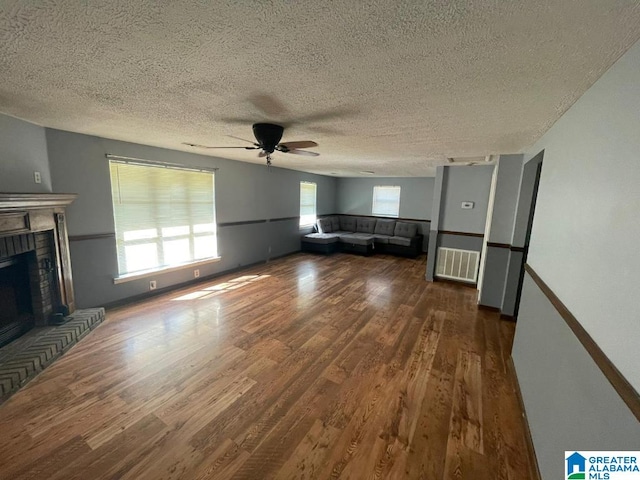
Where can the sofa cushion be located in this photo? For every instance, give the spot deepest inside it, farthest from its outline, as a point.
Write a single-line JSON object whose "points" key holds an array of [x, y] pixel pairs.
{"points": [[335, 224], [385, 227], [363, 235], [324, 225], [404, 229], [320, 238], [357, 239], [365, 225], [404, 241], [348, 224], [381, 238]]}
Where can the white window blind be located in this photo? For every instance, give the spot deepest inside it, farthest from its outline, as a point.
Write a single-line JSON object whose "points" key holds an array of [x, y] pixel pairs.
{"points": [[307, 203], [164, 216], [386, 201]]}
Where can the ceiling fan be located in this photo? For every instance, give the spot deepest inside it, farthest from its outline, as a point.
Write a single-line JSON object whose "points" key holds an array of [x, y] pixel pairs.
{"points": [[268, 136]]}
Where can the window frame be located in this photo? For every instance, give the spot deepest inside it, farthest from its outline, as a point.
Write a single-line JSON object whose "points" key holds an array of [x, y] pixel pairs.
{"points": [[315, 205], [158, 239], [373, 202]]}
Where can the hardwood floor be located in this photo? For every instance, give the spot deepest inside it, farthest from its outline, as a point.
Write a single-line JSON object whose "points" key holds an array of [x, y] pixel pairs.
{"points": [[309, 367]]}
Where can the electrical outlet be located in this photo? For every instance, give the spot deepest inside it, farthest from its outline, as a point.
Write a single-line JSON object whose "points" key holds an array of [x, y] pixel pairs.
{"points": [[152, 285], [36, 177], [196, 273]]}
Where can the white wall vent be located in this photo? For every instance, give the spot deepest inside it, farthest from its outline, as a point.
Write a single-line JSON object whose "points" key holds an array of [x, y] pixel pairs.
{"points": [[458, 264]]}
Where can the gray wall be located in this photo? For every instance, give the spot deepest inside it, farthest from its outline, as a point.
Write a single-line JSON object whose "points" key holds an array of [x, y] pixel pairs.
{"points": [[497, 259], [23, 151], [355, 195], [514, 270], [519, 238], [461, 242], [525, 199], [569, 402], [496, 267], [454, 185], [436, 206], [506, 198], [584, 246], [244, 192], [465, 184]]}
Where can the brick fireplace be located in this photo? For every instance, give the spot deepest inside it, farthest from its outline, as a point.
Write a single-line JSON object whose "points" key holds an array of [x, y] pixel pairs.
{"points": [[36, 286]]}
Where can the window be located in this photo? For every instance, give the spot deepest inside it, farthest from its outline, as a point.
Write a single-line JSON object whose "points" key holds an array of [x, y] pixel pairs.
{"points": [[307, 203], [164, 216], [386, 201]]}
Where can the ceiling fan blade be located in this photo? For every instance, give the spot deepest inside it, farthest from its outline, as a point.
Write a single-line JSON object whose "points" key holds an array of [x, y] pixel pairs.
{"points": [[237, 120], [269, 105], [303, 152], [300, 144], [244, 140], [206, 146], [324, 130], [340, 112]]}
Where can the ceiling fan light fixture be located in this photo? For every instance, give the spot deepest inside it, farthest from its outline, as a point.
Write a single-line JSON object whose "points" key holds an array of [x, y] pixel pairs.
{"points": [[268, 136]]}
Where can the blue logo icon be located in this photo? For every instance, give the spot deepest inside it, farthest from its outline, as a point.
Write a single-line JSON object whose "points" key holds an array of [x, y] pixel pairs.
{"points": [[576, 466]]}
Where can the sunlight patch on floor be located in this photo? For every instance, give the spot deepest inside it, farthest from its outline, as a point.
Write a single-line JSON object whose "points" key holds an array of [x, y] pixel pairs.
{"points": [[215, 290]]}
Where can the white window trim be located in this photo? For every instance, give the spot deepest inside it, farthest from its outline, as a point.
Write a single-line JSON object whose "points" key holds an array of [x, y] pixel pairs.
{"points": [[128, 277], [397, 215], [162, 270], [307, 225]]}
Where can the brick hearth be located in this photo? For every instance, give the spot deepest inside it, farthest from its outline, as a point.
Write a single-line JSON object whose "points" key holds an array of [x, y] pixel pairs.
{"points": [[23, 359], [33, 232]]}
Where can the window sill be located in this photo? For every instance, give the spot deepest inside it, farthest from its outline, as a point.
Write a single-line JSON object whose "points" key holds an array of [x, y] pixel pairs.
{"points": [[158, 271]]}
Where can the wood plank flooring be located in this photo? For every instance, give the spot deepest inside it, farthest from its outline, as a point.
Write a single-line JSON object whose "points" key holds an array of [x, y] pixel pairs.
{"points": [[310, 367]]}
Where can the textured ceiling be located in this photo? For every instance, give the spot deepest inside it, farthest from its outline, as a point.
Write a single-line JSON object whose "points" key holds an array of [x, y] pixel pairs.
{"points": [[393, 87]]}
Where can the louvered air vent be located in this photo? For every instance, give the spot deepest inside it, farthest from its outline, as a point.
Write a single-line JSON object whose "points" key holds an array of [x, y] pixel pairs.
{"points": [[458, 264]]}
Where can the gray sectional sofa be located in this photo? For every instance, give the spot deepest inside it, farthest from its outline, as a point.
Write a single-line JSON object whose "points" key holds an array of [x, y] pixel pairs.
{"points": [[365, 235]]}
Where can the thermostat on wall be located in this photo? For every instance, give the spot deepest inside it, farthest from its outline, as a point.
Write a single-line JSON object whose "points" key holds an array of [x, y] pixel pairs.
{"points": [[467, 205]]}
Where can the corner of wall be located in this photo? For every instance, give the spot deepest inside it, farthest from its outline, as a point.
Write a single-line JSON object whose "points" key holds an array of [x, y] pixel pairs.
{"points": [[23, 149]]}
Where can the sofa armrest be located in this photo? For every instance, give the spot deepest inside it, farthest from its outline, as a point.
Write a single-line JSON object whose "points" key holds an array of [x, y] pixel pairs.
{"points": [[417, 240]]}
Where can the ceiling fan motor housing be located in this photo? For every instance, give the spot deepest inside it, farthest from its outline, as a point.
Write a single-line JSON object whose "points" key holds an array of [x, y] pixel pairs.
{"points": [[268, 135]]}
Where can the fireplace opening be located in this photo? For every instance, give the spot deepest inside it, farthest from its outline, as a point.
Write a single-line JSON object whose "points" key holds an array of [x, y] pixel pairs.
{"points": [[16, 310]]}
